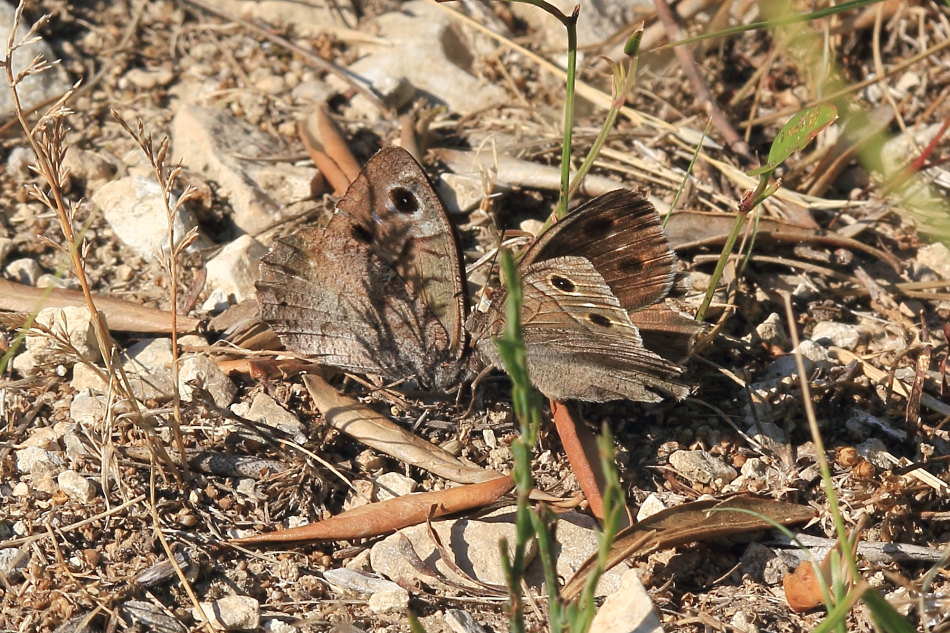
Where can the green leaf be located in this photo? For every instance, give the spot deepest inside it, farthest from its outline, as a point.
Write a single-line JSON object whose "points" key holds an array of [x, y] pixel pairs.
{"points": [[800, 130], [632, 46]]}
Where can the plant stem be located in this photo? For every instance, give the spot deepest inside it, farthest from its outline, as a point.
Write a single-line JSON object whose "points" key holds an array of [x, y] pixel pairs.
{"points": [[820, 455], [720, 266], [571, 24], [527, 408]]}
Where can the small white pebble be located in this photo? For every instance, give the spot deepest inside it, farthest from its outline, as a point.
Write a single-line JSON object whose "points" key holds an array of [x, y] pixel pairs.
{"points": [[231, 613], [76, 486]]}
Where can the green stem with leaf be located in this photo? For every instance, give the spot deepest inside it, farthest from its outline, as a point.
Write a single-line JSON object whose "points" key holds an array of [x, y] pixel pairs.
{"points": [[795, 135]]}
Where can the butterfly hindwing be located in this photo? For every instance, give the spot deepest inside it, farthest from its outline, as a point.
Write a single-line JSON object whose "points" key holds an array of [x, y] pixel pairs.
{"points": [[580, 343]]}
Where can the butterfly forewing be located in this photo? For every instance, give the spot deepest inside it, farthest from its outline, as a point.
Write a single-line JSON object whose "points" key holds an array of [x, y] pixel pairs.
{"points": [[620, 233], [393, 209]]}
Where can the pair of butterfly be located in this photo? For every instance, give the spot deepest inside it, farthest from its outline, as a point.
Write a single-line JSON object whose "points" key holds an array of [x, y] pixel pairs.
{"points": [[381, 290]]}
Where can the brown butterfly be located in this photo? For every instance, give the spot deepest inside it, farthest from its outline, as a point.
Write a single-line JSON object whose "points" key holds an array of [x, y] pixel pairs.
{"points": [[380, 290]]}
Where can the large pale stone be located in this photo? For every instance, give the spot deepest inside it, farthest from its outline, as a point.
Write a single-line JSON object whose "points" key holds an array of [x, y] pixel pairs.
{"points": [[37, 88], [434, 58], [703, 467], [231, 613], [233, 271], [149, 368], [76, 486], [71, 325], [202, 371], [135, 209], [211, 141], [628, 610]]}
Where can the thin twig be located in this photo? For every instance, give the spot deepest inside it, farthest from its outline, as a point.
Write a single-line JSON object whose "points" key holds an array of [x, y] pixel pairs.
{"points": [[17, 542], [688, 64], [157, 529]]}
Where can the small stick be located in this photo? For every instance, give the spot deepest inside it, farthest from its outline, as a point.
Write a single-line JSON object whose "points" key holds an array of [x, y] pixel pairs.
{"points": [[699, 86]]}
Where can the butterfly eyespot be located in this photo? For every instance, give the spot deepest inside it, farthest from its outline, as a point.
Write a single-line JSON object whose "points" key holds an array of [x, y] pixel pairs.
{"points": [[632, 264], [562, 283], [599, 319], [362, 233], [598, 226], [404, 200]]}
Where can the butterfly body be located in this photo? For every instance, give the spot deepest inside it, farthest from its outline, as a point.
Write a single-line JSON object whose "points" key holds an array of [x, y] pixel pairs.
{"points": [[381, 290]]}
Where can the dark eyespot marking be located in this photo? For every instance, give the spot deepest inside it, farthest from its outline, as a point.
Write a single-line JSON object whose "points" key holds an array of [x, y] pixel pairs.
{"points": [[403, 200], [599, 319], [562, 283], [362, 233], [597, 227], [631, 264]]}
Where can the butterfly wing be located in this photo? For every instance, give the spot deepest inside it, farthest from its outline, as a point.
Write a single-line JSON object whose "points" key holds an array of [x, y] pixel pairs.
{"points": [[581, 344], [620, 233], [327, 296], [393, 210], [666, 330]]}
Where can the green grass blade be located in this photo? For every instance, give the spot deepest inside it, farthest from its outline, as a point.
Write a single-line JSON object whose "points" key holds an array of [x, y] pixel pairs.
{"points": [[768, 24], [886, 616]]}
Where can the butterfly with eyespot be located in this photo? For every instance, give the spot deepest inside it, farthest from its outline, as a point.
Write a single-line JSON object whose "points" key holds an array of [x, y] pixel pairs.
{"points": [[380, 290]]}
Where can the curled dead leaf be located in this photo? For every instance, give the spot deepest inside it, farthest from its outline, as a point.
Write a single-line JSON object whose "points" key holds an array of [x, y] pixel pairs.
{"points": [[375, 430], [697, 521], [390, 515], [803, 588]]}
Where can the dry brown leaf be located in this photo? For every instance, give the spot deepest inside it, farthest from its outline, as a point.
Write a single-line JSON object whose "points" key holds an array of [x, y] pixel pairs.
{"points": [[390, 515], [579, 453], [580, 447], [328, 150], [121, 315], [697, 521], [375, 430]]}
